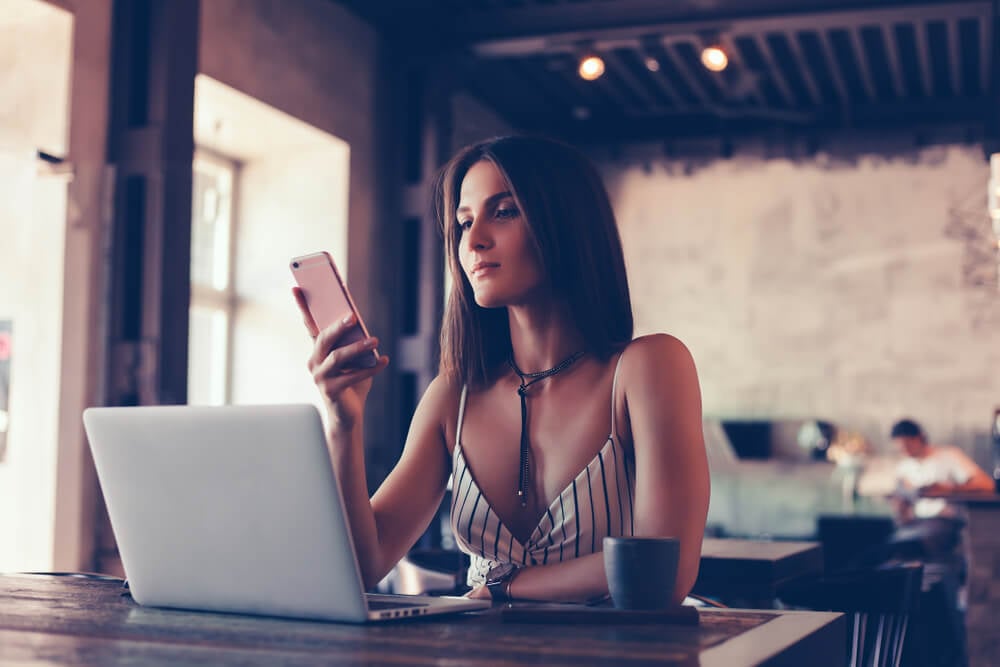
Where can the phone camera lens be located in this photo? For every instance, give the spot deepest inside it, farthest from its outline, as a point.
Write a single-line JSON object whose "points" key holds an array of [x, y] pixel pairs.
{"points": [[295, 265]]}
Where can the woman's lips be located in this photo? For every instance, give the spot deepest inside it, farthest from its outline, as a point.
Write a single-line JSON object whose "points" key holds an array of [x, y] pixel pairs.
{"points": [[483, 269]]}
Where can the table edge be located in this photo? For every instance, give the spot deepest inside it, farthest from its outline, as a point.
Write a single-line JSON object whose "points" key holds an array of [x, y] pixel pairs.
{"points": [[765, 641]]}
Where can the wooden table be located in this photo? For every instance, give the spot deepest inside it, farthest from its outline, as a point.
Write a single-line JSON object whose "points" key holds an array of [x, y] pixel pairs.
{"points": [[61, 620], [754, 570]]}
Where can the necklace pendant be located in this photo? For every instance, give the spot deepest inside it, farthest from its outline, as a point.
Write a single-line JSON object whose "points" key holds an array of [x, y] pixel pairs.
{"points": [[528, 379]]}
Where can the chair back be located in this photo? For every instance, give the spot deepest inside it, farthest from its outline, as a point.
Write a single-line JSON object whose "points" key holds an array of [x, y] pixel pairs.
{"points": [[851, 542], [881, 602]]}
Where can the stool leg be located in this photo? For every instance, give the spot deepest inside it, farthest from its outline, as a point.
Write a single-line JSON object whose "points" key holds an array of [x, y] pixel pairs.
{"points": [[879, 636], [902, 638], [861, 639], [889, 649]]}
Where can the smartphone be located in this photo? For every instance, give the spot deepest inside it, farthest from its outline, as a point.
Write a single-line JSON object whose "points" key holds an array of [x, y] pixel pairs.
{"points": [[329, 300]]}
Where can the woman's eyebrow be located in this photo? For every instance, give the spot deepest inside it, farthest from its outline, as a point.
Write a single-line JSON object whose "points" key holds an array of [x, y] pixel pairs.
{"points": [[489, 200]]}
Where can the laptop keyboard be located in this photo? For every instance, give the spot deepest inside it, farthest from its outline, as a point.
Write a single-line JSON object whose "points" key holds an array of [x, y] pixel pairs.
{"points": [[378, 605]]}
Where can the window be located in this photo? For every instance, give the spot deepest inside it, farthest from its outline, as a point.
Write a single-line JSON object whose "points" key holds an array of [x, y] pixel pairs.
{"points": [[213, 296]]}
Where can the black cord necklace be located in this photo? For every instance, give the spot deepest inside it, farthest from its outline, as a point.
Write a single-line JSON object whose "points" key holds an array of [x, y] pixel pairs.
{"points": [[528, 379]]}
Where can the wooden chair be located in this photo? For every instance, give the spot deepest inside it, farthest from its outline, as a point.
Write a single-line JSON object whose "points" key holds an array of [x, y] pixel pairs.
{"points": [[853, 542], [881, 602]]}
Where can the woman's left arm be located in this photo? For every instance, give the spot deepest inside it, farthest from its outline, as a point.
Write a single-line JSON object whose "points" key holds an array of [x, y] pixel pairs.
{"points": [[663, 406], [663, 401]]}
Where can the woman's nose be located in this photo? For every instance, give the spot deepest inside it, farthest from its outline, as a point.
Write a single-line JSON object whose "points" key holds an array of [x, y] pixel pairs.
{"points": [[478, 236]]}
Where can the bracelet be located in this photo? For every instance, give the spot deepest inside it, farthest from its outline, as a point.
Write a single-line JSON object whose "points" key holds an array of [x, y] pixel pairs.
{"points": [[510, 582], [499, 579]]}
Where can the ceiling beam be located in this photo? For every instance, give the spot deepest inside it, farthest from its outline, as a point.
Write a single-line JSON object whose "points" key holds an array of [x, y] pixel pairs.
{"points": [[924, 58], [992, 115], [861, 60], [601, 36], [986, 38], [776, 76], [664, 85], [954, 56], [620, 69], [835, 73], [690, 79], [807, 75], [736, 58], [718, 78], [892, 55], [609, 90]]}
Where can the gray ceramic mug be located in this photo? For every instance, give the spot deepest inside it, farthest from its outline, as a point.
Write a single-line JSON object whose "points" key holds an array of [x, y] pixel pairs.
{"points": [[641, 571]]}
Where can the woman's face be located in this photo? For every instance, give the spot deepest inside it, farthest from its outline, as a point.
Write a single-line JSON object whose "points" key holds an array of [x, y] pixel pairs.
{"points": [[495, 249]]}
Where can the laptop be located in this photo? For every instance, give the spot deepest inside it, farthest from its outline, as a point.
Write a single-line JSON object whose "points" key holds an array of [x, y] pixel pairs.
{"points": [[236, 509]]}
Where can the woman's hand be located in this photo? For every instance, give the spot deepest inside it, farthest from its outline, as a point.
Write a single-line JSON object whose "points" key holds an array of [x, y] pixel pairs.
{"points": [[344, 389], [479, 593]]}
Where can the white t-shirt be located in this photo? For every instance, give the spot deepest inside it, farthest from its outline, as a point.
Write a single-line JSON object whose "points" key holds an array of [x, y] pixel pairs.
{"points": [[943, 465]]}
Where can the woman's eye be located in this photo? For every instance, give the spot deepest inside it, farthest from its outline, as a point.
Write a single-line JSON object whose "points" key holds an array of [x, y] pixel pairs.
{"points": [[507, 212], [464, 224]]}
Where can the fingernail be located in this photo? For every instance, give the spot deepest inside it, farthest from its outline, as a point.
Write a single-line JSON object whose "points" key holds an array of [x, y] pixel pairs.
{"points": [[349, 319], [370, 342]]}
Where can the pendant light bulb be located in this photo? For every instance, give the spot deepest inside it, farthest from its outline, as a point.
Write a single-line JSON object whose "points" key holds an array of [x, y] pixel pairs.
{"points": [[714, 58], [591, 67]]}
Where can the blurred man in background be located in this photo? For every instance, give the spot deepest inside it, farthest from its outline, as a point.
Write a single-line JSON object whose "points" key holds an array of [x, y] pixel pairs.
{"points": [[931, 470], [930, 530]]}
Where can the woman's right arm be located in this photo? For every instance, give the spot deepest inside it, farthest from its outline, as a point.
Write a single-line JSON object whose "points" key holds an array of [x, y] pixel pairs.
{"points": [[387, 525]]}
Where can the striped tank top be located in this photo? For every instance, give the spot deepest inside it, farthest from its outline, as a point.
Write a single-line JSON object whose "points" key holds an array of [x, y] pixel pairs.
{"points": [[597, 503]]}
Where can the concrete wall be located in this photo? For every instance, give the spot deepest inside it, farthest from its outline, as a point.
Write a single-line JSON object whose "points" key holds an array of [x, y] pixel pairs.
{"points": [[317, 62], [858, 290], [289, 206], [35, 44]]}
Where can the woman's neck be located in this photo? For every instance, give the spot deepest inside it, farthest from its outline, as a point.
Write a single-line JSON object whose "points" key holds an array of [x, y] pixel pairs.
{"points": [[541, 337]]}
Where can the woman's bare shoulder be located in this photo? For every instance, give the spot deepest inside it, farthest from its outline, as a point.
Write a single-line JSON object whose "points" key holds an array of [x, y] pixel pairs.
{"points": [[662, 393], [441, 396], [438, 409], [658, 369], [654, 352]]}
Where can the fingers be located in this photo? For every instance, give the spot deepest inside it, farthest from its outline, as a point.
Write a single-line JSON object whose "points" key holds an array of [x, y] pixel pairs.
{"points": [[479, 593], [333, 381], [300, 300], [327, 339], [337, 361]]}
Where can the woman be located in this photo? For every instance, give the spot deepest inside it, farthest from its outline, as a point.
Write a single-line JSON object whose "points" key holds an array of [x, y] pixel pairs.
{"points": [[557, 427]]}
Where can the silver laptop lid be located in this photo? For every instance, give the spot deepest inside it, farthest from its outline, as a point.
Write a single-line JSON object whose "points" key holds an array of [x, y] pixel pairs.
{"points": [[227, 509]]}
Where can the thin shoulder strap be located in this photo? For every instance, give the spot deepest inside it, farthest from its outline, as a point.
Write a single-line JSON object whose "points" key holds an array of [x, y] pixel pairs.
{"points": [[461, 415], [614, 391]]}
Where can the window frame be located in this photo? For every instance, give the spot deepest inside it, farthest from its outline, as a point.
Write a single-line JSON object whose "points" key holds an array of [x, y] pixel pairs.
{"points": [[210, 298]]}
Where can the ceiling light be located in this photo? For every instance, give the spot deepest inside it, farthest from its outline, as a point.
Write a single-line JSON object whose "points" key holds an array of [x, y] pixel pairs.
{"points": [[652, 64], [591, 67], [714, 58]]}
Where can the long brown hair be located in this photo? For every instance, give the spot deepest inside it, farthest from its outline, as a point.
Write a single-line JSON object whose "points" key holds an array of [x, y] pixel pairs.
{"points": [[569, 218]]}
